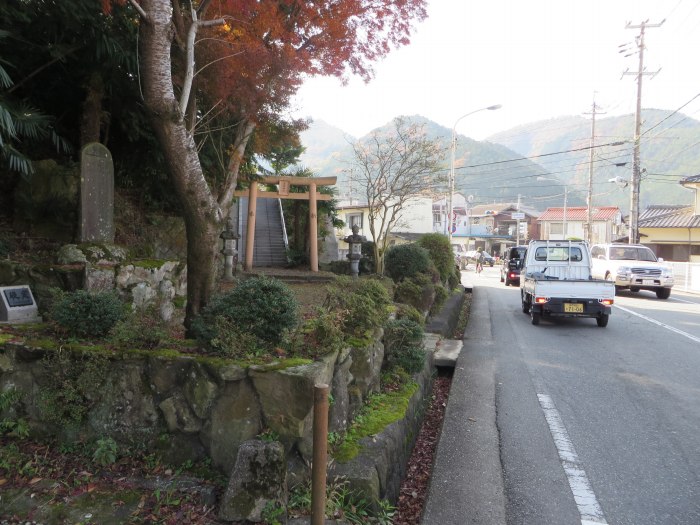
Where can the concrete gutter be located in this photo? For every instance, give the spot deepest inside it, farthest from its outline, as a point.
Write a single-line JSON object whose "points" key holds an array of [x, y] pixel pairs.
{"points": [[467, 481]]}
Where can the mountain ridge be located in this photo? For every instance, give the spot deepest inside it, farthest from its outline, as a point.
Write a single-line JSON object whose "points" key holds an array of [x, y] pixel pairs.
{"points": [[540, 161]]}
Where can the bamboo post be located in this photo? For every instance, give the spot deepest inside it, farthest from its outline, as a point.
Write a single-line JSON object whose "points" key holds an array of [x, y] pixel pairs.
{"points": [[320, 455]]}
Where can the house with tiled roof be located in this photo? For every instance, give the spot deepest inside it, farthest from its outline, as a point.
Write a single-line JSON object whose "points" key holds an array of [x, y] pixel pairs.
{"points": [[673, 231], [558, 224], [494, 227]]}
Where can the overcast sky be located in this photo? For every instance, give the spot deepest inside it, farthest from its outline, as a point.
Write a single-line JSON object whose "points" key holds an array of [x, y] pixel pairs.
{"points": [[539, 59]]}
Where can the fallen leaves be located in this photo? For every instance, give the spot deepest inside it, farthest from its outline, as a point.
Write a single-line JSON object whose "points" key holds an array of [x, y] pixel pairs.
{"points": [[414, 489]]}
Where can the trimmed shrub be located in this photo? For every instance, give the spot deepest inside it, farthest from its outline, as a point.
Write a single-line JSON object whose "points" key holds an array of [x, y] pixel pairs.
{"points": [[84, 314], [406, 311], [403, 344], [260, 306], [375, 289], [406, 260], [418, 291], [440, 251], [364, 304]]}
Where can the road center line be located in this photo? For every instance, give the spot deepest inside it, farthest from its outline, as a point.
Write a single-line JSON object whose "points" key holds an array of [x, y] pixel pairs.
{"points": [[588, 507], [659, 323]]}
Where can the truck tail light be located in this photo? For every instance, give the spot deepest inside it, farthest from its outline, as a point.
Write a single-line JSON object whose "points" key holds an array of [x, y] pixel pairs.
{"points": [[541, 300], [606, 302]]}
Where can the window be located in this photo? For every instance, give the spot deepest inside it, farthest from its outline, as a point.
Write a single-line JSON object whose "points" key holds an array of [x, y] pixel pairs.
{"points": [[556, 228], [558, 254], [354, 219]]}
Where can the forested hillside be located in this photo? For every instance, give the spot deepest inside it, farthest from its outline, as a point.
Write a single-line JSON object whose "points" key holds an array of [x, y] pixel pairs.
{"points": [[669, 151], [491, 172], [508, 164]]}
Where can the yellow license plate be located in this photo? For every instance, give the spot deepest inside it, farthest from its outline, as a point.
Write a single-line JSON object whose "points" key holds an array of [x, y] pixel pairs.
{"points": [[573, 308]]}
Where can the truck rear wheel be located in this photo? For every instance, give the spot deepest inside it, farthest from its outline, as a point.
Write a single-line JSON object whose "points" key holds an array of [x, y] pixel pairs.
{"points": [[602, 320], [525, 303], [535, 316]]}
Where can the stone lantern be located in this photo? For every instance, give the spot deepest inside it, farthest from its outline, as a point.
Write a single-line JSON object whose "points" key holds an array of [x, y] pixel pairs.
{"points": [[229, 250], [355, 243]]}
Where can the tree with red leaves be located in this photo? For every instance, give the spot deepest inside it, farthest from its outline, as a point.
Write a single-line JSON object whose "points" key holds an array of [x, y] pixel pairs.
{"points": [[251, 57]]}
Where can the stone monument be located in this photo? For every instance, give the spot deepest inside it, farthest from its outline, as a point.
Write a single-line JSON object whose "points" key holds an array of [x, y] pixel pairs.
{"points": [[96, 194]]}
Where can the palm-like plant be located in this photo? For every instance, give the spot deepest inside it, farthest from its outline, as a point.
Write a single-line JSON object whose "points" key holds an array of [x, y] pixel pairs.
{"points": [[20, 124]]}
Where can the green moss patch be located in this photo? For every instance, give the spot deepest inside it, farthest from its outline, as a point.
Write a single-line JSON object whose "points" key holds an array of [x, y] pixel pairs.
{"points": [[149, 264], [381, 411], [283, 364]]}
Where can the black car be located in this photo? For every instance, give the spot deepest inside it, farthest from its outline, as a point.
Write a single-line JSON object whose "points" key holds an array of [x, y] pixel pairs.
{"points": [[512, 263]]}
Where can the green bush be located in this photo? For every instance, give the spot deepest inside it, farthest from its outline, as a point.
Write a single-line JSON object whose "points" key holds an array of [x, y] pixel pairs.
{"points": [[455, 278], [406, 311], [441, 294], [261, 306], [85, 314], [406, 260], [364, 304], [417, 291], [403, 344], [340, 267], [440, 251], [367, 264], [142, 328], [320, 334], [376, 289]]}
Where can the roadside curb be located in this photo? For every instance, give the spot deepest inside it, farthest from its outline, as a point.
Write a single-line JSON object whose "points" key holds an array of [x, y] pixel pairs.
{"points": [[467, 481]]}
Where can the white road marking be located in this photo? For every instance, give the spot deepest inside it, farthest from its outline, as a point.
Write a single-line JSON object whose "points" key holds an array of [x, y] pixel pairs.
{"points": [[659, 323], [588, 507], [683, 301]]}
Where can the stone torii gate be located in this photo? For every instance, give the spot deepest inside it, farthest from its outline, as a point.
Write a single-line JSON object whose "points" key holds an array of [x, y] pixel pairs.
{"points": [[284, 183]]}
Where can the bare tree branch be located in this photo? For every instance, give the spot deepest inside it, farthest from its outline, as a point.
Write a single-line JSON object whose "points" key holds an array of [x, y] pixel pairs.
{"points": [[393, 167]]}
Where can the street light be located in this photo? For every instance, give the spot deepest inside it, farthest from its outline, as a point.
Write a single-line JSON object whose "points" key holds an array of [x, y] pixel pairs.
{"points": [[565, 194], [452, 165]]}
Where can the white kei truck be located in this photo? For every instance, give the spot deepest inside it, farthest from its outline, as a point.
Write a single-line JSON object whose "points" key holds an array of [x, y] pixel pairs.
{"points": [[556, 281]]}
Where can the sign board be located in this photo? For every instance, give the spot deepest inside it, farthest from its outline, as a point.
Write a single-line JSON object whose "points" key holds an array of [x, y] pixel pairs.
{"points": [[517, 216], [17, 304]]}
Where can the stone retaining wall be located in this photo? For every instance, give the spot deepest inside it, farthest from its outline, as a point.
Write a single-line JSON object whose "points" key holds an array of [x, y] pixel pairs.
{"points": [[205, 406]]}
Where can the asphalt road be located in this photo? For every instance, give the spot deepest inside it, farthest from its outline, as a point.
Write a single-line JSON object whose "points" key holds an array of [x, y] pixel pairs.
{"points": [[594, 425]]}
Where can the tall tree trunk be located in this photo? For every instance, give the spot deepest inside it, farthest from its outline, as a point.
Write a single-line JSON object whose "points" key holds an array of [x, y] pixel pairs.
{"points": [[91, 118], [203, 217]]}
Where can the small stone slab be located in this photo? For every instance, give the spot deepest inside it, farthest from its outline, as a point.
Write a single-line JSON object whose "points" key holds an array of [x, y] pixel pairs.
{"points": [[447, 353]]}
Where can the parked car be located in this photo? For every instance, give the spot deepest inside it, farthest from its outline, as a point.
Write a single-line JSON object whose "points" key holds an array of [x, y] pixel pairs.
{"points": [[488, 259], [512, 263], [632, 266]]}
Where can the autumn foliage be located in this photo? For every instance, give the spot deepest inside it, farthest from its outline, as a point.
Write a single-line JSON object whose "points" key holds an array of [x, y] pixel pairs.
{"points": [[259, 58]]}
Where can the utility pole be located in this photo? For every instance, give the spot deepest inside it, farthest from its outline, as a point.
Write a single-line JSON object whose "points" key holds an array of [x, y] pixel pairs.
{"points": [[636, 173], [589, 199]]}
